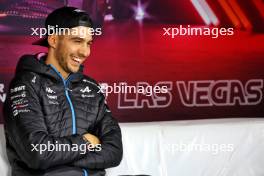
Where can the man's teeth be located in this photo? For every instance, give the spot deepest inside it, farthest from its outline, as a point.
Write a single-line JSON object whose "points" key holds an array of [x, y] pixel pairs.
{"points": [[76, 59]]}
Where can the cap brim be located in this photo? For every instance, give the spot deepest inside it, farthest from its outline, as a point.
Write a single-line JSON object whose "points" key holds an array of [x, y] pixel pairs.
{"points": [[42, 42]]}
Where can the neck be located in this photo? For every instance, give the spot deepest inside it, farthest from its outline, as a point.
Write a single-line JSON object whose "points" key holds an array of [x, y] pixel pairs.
{"points": [[53, 61]]}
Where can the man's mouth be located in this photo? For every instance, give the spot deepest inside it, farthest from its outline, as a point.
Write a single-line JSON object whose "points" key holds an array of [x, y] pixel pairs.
{"points": [[77, 60]]}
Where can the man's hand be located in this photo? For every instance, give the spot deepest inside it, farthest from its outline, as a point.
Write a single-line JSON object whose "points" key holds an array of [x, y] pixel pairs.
{"points": [[91, 138]]}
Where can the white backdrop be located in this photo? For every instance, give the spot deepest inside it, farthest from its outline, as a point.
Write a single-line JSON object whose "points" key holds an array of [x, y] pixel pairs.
{"points": [[221, 147]]}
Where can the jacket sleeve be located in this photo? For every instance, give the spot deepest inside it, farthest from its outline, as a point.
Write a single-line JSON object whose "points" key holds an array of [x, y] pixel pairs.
{"points": [[109, 133], [26, 129]]}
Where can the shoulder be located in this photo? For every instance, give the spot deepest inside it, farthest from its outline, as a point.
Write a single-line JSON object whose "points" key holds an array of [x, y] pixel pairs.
{"points": [[88, 81], [89, 84], [28, 80]]}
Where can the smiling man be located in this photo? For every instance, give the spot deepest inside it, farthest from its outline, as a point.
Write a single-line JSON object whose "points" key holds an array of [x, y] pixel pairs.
{"points": [[56, 119], [68, 51]]}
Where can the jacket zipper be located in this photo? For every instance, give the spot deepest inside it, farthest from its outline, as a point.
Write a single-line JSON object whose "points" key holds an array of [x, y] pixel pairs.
{"points": [[65, 83], [68, 99], [85, 172]]}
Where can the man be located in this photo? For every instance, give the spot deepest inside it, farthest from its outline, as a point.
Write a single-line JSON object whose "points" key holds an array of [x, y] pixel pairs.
{"points": [[53, 110]]}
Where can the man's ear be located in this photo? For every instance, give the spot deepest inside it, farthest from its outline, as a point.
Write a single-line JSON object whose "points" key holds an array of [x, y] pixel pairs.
{"points": [[53, 40]]}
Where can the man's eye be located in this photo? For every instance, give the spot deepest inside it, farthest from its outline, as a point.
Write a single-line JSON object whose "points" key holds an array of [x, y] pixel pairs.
{"points": [[77, 41]]}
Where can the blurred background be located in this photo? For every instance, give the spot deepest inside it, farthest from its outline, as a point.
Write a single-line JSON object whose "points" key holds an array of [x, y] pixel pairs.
{"points": [[133, 49]]}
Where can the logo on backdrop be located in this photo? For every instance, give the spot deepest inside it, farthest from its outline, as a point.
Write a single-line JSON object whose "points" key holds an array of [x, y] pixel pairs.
{"points": [[220, 93], [150, 98], [198, 93], [2, 93]]}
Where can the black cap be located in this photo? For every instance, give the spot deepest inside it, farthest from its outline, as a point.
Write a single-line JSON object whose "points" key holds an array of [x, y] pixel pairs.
{"points": [[65, 17]]}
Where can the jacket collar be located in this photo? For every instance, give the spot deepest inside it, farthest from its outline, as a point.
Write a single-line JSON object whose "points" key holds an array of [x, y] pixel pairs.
{"points": [[36, 63]]}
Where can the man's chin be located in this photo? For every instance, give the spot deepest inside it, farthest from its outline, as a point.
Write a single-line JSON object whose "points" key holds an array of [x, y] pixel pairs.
{"points": [[75, 70]]}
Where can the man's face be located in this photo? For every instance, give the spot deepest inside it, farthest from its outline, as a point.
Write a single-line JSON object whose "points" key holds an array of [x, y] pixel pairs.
{"points": [[73, 49]]}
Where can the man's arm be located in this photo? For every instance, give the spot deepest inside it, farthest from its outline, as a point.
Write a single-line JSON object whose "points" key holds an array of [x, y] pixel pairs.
{"points": [[109, 134], [25, 127]]}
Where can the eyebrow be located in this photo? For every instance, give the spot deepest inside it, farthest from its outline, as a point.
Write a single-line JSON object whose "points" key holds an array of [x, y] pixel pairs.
{"points": [[79, 38]]}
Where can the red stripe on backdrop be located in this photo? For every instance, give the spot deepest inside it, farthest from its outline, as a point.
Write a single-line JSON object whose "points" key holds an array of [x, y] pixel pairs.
{"points": [[230, 13]]}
